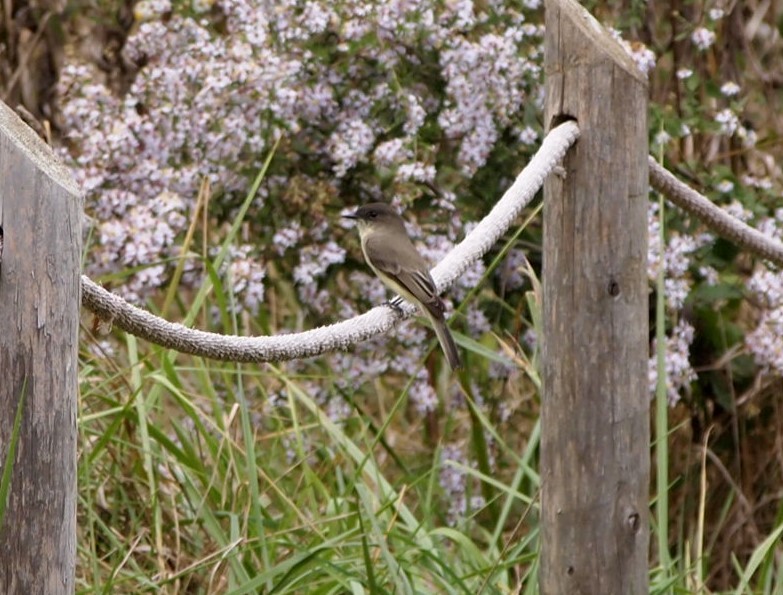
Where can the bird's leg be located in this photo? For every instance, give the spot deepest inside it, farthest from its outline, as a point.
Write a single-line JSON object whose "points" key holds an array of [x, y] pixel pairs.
{"points": [[396, 304]]}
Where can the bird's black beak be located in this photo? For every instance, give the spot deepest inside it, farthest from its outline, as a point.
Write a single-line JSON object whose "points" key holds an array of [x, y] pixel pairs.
{"points": [[351, 216]]}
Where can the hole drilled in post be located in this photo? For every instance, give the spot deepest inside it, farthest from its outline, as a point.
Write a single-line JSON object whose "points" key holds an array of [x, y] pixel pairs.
{"points": [[559, 119]]}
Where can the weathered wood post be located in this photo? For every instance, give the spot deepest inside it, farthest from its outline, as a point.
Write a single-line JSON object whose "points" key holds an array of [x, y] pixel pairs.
{"points": [[595, 424], [40, 215]]}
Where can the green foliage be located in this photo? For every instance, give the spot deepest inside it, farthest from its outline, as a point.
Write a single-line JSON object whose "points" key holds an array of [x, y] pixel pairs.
{"points": [[189, 480]]}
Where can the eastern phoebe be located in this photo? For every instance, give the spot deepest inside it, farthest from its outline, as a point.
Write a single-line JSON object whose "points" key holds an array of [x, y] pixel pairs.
{"points": [[391, 255]]}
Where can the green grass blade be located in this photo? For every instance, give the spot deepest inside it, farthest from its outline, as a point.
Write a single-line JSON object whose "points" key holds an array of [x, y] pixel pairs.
{"points": [[8, 465]]}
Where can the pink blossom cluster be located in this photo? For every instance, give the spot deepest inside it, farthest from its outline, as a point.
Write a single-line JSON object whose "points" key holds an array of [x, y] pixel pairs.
{"points": [[454, 482], [643, 57], [246, 275], [765, 341], [676, 258], [348, 86], [679, 372], [486, 82]]}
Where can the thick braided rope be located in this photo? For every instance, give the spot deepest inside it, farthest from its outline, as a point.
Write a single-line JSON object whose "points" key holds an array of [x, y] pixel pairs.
{"points": [[349, 332], [714, 217], [492, 227]]}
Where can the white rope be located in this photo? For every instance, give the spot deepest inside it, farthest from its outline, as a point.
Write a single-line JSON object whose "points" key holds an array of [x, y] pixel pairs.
{"points": [[341, 335], [502, 216], [713, 216]]}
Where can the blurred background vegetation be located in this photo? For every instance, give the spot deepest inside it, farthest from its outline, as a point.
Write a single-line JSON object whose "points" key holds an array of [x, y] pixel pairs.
{"points": [[376, 470]]}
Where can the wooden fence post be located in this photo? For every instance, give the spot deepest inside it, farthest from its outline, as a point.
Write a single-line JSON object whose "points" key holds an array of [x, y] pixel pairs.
{"points": [[595, 419], [40, 221]]}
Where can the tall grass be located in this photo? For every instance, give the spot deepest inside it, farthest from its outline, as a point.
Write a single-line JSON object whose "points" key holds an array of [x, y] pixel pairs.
{"points": [[189, 483], [208, 477], [195, 476]]}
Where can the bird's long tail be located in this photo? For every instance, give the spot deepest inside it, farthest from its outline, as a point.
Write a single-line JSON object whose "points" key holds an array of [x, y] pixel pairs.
{"points": [[446, 342]]}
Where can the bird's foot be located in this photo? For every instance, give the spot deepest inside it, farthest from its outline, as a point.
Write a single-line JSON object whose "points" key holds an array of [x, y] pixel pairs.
{"points": [[395, 304]]}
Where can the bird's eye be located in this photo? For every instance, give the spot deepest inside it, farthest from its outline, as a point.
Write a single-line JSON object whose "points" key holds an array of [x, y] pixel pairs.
{"points": [[372, 214]]}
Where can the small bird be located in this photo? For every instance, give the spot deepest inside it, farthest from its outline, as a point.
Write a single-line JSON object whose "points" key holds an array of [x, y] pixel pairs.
{"points": [[394, 259]]}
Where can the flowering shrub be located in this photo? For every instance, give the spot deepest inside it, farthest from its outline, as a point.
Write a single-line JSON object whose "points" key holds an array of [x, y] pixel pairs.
{"points": [[404, 101], [707, 125], [401, 101]]}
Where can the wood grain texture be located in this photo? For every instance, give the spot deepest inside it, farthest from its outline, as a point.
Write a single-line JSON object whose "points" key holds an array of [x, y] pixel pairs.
{"points": [[595, 418], [40, 214]]}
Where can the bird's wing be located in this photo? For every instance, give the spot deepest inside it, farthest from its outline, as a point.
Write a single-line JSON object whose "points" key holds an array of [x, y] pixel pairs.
{"points": [[414, 276]]}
